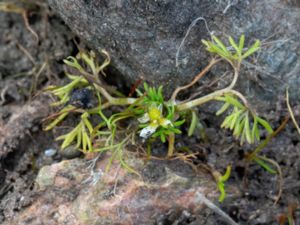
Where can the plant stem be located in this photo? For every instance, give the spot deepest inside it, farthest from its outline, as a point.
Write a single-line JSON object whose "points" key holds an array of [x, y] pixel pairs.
{"points": [[212, 96], [209, 97], [113, 100], [291, 111], [235, 75], [171, 144], [199, 76]]}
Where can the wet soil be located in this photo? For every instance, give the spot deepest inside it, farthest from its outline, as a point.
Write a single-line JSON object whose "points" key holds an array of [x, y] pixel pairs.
{"points": [[26, 66]]}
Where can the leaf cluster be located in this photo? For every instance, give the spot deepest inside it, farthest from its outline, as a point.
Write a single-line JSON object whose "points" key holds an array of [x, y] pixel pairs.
{"points": [[241, 121], [81, 134], [151, 95], [235, 53]]}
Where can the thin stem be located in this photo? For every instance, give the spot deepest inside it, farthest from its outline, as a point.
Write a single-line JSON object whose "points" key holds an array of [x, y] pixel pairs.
{"points": [[199, 76], [264, 143], [212, 96], [209, 97], [280, 178], [171, 144], [291, 111], [113, 100]]}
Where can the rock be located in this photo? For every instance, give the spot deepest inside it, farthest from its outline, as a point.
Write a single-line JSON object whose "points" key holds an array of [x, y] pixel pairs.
{"points": [[143, 38], [70, 152], [21, 122], [70, 193]]}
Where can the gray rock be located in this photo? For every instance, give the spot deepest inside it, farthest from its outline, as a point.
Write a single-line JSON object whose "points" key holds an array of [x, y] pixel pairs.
{"points": [[70, 152], [143, 38]]}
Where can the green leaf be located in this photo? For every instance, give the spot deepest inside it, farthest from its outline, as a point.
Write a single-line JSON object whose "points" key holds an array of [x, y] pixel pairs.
{"points": [[226, 176], [56, 121], [221, 188], [72, 61], [179, 123], [220, 44], [265, 124], [235, 119], [252, 49], [264, 165], [255, 131], [214, 49], [241, 43], [223, 108], [127, 167], [162, 138], [84, 140], [242, 133], [87, 124], [234, 45], [193, 124], [227, 121], [234, 102], [69, 138], [89, 143], [240, 123], [247, 130], [79, 138], [175, 130], [89, 61]]}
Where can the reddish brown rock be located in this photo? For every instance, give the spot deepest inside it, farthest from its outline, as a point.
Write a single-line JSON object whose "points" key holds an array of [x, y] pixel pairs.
{"points": [[70, 193]]}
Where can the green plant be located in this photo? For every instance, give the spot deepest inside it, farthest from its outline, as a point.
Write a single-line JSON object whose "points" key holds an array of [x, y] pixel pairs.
{"points": [[221, 179], [154, 116]]}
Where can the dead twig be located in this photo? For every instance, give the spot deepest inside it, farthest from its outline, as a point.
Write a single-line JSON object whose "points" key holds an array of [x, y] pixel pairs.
{"points": [[199, 76], [253, 154], [26, 52], [291, 111], [202, 199], [11, 7]]}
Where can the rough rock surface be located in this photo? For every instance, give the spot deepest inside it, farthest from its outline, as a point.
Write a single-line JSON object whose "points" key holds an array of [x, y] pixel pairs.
{"points": [[70, 194], [143, 38]]}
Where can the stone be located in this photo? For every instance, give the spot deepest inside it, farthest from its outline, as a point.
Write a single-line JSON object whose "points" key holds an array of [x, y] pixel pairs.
{"points": [[67, 193], [143, 39]]}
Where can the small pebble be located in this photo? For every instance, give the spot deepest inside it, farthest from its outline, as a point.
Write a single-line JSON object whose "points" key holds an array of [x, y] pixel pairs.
{"points": [[70, 152], [50, 152]]}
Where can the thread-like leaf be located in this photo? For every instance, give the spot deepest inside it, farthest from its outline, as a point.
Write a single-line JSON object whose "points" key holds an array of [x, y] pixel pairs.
{"points": [[264, 165], [255, 131], [238, 127], [234, 102], [223, 108], [79, 138], [69, 138], [252, 49], [235, 118], [56, 121], [227, 121], [221, 188], [265, 124], [220, 44], [226, 176], [234, 45], [87, 122], [193, 124], [241, 43], [247, 130]]}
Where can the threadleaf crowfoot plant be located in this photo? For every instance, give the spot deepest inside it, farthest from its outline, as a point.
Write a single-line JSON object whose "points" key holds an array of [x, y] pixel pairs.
{"points": [[154, 116]]}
